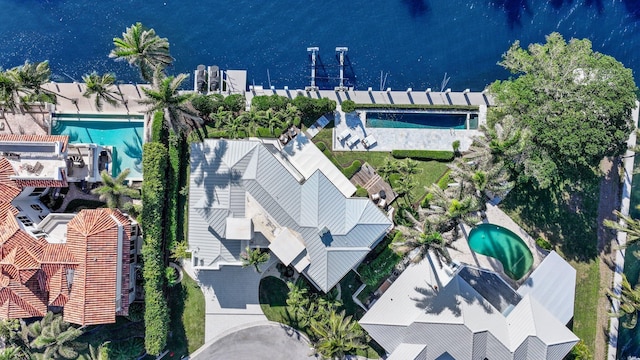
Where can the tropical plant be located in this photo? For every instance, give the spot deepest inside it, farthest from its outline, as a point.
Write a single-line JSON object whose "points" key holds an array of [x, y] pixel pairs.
{"points": [[481, 177], [337, 335], [28, 80], [629, 225], [254, 257], [8, 91], [99, 352], [101, 87], [130, 348], [164, 96], [11, 353], [270, 119], [450, 208], [629, 298], [234, 125], [298, 302], [52, 338], [414, 239], [143, 48], [179, 251], [388, 168], [113, 189]]}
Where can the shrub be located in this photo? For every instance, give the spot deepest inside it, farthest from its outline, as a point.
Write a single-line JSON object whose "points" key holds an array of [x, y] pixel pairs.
{"points": [[374, 272], [156, 315], [136, 312], [234, 103], [361, 192], [424, 155], [426, 201], [322, 146], [157, 127], [312, 109], [277, 132], [348, 106], [266, 102], [352, 169], [263, 132], [544, 244], [456, 146], [444, 181], [207, 104]]}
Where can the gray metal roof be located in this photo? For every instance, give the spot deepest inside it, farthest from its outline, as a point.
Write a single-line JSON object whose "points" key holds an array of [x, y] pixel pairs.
{"points": [[224, 172], [460, 321]]}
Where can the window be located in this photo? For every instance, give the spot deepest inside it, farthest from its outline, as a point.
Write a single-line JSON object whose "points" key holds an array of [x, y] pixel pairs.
{"points": [[36, 207], [25, 220], [38, 191]]}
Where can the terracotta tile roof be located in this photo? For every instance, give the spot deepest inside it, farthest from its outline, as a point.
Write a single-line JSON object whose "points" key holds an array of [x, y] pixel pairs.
{"points": [[58, 287], [42, 183], [92, 238], [64, 139], [18, 301], [9, 189]]}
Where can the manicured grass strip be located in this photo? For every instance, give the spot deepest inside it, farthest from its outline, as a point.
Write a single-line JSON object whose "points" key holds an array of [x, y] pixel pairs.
{"points": [[586, 304], [273, 299]]}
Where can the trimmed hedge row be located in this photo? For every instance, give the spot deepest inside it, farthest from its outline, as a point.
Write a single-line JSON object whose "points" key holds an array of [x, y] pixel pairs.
{"points": [[156, 315], [361, 192], [266, 102], [424, 155], [418, 107], [352, 169], [157, 127]]}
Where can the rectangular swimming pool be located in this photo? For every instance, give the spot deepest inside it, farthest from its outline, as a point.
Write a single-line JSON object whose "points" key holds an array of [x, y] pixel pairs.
{"points": [[419, 120], [124, 134]]}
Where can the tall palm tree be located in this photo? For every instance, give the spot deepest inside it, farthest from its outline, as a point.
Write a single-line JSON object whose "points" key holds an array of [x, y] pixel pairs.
{"points": [[271, 119], [414, 239], [403, 187], [143, 48], [233, 125], [388, 168], [481, 177], [450, 209], [11, 353], [29, 79], [337, 335], [164, 96], [629, 303], [8, 91], [113, 189], [254, 257], [102, 88]]}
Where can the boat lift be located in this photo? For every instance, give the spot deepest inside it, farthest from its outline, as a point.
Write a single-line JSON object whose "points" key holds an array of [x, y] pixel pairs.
{"points": [[341, 50], [314, 51]]}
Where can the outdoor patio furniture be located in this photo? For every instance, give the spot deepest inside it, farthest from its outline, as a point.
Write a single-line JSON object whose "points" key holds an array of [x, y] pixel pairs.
{"points": [[344, 134], [375, 197], [369, 141], [382, 203], [352, 140]]}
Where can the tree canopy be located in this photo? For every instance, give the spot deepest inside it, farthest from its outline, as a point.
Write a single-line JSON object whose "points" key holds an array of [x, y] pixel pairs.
{"points": [[573, 105]]}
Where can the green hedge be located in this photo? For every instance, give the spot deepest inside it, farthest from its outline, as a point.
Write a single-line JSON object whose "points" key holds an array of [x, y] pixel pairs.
{"points": [[263, 132], [427, 199], [418, 107], [158, 133], [348, 106], [444, 181], [207, 104], [352, 169], [544, 244], [156, 315], [266, 102], [424, 155], [234, 103], [361, 192]]}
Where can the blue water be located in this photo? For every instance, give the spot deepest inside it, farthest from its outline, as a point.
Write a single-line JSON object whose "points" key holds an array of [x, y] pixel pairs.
{"points": [[414, 41], [416, 120], [124, 136]]}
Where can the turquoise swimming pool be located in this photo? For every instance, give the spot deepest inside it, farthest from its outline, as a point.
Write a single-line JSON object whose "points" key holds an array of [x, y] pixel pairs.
{"points": [[420, 120], [502, 244], [123, 134]]}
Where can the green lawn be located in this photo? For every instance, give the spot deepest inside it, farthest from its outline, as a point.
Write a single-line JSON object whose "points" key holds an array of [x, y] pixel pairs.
{"points": [[428, 171], [568, 220], [186, 303], [273, 299]]}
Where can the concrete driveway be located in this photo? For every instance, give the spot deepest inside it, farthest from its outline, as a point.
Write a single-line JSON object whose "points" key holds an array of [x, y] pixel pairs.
{"points": [[267, 341]]}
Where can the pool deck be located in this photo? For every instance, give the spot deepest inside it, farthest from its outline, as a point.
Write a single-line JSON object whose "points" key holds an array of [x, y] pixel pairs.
{"points": [[463, 254], [398, 138]]}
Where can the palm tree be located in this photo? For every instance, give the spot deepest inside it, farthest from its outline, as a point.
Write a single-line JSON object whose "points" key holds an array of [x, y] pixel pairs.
{"points": [[99, 352], [53, 338], [337, 335], [164, 96], [29, 79], [254, 257], [481, 177], [388, 168], [11, 353], [144, 49], [102, 88], [403, 187], [631, 227], [450, 209], [270, 119], [414, 239], [629, 303], [233, 125], [291, 114], [113, 189], [8, 91]]}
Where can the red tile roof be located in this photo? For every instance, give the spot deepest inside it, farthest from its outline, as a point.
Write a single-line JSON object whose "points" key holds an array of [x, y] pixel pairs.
{"points": [[64, 139], [18, 301]]}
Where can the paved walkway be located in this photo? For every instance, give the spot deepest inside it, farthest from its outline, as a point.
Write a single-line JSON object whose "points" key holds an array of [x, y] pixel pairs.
{"points": [[271, 341]]}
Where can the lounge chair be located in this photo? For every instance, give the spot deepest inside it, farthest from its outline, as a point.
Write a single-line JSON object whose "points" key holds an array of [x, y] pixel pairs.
{"points": [[343, 135], [369, 141], [352, 140]]}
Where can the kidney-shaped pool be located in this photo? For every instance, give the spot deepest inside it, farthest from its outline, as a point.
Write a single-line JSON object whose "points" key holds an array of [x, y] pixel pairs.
{"points": [[502, 244]]}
